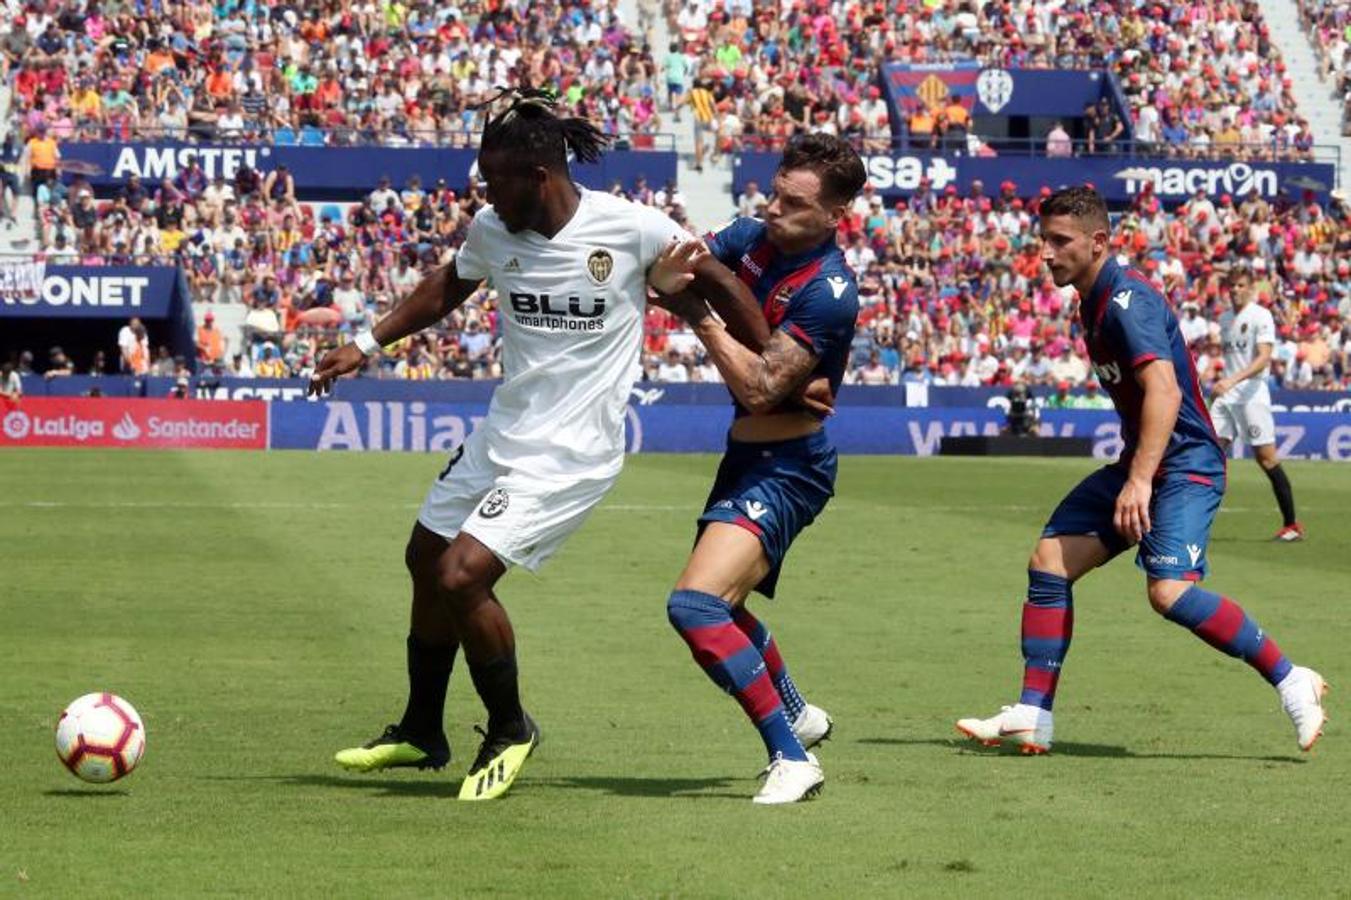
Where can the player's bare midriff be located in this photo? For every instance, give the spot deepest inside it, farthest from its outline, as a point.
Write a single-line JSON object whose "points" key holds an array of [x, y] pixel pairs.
{"points": [[775, 427]]}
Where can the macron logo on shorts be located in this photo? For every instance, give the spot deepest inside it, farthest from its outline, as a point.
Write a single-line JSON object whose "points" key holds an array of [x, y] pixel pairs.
{"points": [[755, 509], [1194, 551]]}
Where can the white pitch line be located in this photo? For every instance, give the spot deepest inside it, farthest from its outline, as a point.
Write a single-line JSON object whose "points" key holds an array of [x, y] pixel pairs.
{"points": [[157, 504], [154, 504], [609, 507]]}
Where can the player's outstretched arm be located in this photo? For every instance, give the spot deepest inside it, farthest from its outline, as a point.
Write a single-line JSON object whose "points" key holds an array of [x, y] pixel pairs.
{"points": [[434, 297], [672, 274], [1158, 415], [732, 300], [691, 276]]}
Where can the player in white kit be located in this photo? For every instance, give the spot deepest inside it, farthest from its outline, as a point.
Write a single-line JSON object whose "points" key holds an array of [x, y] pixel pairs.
{"points": [[570, 267], [1242, 405]]}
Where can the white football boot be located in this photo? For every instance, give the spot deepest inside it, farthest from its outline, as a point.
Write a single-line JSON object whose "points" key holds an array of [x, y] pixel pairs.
{"points": [[1028, 727], [812, 726], [1302, 698], [790, 780]]}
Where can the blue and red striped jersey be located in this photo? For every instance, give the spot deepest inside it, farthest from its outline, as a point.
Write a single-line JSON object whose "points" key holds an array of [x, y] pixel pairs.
{"points": [[811, 296], [1128, 323]]}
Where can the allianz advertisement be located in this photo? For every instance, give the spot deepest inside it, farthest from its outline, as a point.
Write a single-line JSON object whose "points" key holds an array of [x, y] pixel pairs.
{"points": [[684, 428], [1118, 178]]}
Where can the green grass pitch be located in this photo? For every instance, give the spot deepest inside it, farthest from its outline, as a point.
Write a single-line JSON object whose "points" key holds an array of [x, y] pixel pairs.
{"points": [[253, 608]]}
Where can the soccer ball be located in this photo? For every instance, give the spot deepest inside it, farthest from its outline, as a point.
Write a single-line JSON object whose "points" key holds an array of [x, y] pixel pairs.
{"points": [[100, 738]]}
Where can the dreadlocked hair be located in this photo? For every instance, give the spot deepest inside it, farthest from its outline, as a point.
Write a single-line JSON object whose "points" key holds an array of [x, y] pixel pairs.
{"points": [[532, 131]]}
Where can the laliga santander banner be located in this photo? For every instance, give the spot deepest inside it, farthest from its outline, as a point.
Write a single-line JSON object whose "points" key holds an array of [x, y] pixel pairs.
{"points": [[108, 422]]}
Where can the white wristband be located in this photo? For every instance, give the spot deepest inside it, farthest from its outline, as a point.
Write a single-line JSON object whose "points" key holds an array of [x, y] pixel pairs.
{"points": [[365, 342]]}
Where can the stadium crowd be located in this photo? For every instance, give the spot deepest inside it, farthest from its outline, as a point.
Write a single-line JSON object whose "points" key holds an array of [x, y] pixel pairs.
{"points": [[954, 291], [324, 73], [309, 274], [952, 287], [1201, 79], [1328, 24]]}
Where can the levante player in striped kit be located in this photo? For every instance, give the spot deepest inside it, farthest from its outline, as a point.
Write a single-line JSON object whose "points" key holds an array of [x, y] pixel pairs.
{"points": [[1162, 494], [779, 469]]}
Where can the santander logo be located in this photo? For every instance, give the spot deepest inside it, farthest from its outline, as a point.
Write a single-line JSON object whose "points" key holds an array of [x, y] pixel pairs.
{"points": [[126, 429]]}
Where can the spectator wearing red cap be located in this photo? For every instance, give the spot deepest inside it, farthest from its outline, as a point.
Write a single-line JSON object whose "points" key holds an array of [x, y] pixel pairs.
{"points": [[1299, 375], [1315, 347], [210, 342], [1061, 399], [1022, 325], [1308, 262], [1093, 398]]}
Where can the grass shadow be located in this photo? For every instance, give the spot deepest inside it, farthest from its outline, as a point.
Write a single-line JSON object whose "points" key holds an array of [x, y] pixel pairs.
{"points": [[1072, 748], [387, 787], [86, 792], [685, 788], [698, 788]]}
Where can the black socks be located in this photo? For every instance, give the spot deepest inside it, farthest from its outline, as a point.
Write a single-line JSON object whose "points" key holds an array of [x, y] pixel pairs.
{"points": [[496, 683], [429, 668], [1285, 496]]}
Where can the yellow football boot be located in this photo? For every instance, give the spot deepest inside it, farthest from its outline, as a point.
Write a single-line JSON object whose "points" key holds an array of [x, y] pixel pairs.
{"points": [[393, 750], [498, 763]]}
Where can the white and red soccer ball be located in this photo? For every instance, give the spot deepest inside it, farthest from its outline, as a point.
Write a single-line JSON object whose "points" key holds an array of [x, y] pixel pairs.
{"points": [[100, 737]]}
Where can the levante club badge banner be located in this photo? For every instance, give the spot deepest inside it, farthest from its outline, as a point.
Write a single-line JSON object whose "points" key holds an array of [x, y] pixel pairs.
{"points": [[106, 422]]}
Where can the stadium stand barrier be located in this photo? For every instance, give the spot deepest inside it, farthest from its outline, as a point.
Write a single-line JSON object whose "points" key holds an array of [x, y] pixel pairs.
{"points": [[369, 416]]}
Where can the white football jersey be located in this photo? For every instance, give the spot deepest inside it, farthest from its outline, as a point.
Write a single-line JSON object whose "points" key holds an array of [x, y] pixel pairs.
{"points": [[1241, 333], [571, 308]]}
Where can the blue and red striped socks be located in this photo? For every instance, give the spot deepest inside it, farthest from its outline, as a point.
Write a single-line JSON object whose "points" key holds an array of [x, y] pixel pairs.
{"points": [[735, 665], [1223, 624], [1048, 623], [762, 640]]}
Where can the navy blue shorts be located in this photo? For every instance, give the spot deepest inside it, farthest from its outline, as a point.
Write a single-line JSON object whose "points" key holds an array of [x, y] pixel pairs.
{"points": [[1181, 511], [773, 490]]}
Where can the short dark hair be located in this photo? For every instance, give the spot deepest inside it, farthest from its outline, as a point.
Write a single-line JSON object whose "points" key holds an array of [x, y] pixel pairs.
{"points": [[1079, 202], [533, 132], [834, 161]]}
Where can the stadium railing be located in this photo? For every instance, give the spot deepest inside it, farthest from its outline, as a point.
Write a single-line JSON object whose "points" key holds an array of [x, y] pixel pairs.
{"points": [[333, 137], [1267, 151]]}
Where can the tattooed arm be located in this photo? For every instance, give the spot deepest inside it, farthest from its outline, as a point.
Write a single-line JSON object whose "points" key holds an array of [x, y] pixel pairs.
{"points": [[759, 381], [761, 376]]}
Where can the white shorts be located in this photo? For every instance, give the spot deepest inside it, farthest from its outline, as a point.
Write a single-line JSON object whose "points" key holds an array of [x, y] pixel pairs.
{"points": [[1245, 420], [522, 519]]}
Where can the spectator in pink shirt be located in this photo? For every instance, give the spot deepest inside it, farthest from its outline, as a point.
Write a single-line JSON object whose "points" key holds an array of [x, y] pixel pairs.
{"points": [[1058, 142], [1022, 325]]}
